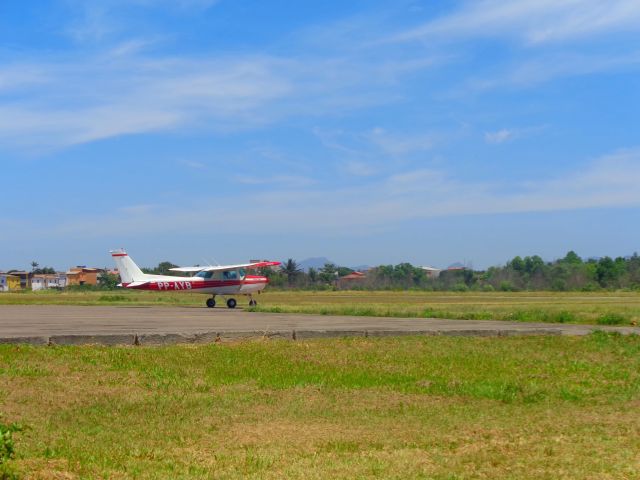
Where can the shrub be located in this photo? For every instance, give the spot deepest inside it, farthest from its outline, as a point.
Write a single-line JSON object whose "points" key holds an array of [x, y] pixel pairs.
{"points": [[564, 317], [611, 319], [506, 286], [460, 287], [7, 450]]}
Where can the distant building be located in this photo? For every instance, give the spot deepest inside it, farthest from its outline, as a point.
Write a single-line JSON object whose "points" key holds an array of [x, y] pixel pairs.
{"points": [[25, 278], [350, 280], [432, 272], [82, 276], [49, 280], [9, 282]]}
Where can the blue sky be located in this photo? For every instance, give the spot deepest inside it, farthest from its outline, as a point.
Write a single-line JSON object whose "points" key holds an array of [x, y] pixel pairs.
{"points": [[366, 131]]}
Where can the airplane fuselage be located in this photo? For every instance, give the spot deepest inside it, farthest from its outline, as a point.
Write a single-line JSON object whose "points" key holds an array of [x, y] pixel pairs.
{"points": [[244, 286]]}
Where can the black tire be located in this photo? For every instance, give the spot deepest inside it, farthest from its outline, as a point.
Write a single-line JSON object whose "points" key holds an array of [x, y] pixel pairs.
{"points": [[252, 303], [211, 302], [231, 303]]}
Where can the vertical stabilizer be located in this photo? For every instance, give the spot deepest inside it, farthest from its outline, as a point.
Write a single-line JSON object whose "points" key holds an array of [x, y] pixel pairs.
{"points": [[129, 271]]}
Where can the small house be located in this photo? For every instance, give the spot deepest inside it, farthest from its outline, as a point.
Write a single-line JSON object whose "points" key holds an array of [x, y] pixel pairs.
{"points": [[9, 282], [82, 275]]}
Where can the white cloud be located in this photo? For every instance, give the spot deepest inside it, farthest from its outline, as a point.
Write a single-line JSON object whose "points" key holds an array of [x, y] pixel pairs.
{"points": [[498, 137], [397, 144], [193, 164], [360, 168], [124, 91], [534, 21], [610, 181], [286, 180]]}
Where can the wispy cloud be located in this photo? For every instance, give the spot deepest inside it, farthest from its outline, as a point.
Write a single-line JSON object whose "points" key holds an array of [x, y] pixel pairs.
{"points": [[401, 144], [609, 181], [99, 20], [97, 97], [295, 181], [534, 21], [498, 137], [193, 164]]}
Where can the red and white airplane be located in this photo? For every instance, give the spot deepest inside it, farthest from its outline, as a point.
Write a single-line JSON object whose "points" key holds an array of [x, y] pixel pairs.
{"points": [[225, 280]]}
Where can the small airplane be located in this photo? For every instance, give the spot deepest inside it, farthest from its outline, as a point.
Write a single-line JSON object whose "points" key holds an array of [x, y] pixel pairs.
{"points": [[224, 280]]}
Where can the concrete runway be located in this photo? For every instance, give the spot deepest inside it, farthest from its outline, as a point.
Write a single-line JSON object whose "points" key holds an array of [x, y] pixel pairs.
{"points": [[42, 324]]}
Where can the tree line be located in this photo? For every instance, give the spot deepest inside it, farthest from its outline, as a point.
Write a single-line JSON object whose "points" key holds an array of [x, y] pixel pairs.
{"points": [[570, 273], [530, 273]]}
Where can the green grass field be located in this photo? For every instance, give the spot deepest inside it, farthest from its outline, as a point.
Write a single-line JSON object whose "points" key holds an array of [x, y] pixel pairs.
{"points": [[413, 407], [594, 307]]}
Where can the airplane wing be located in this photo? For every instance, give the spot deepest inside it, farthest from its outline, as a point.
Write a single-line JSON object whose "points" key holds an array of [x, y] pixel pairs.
{"points": [[222, 268]]}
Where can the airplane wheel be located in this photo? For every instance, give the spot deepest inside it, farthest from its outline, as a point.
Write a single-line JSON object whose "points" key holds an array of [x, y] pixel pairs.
{"points": [[231, 303], [252, 303], [211, 302]]}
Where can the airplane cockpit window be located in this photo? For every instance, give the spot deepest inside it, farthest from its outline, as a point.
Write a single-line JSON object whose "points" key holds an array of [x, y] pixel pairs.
{"points": [[230, 275], [242, 273], [205, 275]]}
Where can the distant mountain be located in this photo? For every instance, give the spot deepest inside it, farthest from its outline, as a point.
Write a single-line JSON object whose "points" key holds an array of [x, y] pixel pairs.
{"points": [[315, 262]]}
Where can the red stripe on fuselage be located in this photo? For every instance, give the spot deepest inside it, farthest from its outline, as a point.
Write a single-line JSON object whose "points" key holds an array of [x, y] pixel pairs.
{"points": [[179, 285]]}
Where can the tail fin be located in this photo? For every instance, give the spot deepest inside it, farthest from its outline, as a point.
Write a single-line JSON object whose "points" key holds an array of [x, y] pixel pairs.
{"points": [[129, 271]]}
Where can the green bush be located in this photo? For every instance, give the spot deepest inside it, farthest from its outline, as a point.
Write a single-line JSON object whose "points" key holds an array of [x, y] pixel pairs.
{"points": [[564, 317], [611, 319], [460, 287], [7, 450], [506, 286]]}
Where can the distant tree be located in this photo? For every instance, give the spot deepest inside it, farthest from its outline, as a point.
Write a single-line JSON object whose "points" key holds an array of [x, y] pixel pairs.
{"points": [[291, 270], [572, 258], [606, 272], [45, 270], [34, 265], [108, 281], [517, 264], [163, 268], [328, 273], [342, 271], [313, 275]]}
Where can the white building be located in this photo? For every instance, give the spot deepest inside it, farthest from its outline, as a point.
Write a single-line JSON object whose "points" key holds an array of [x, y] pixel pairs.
{"points": [[432, 272], [46, 281]]}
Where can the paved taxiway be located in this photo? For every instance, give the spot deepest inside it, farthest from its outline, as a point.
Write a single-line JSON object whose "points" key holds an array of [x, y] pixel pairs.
{"points": [[50, 321]]}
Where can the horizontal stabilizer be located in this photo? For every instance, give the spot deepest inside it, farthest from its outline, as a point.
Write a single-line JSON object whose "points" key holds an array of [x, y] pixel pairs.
{"points": [[135, 284]]}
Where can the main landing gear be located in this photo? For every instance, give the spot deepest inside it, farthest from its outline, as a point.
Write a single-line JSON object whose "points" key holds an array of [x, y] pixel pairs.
{"points": [[252, 302], [231, 302]]}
